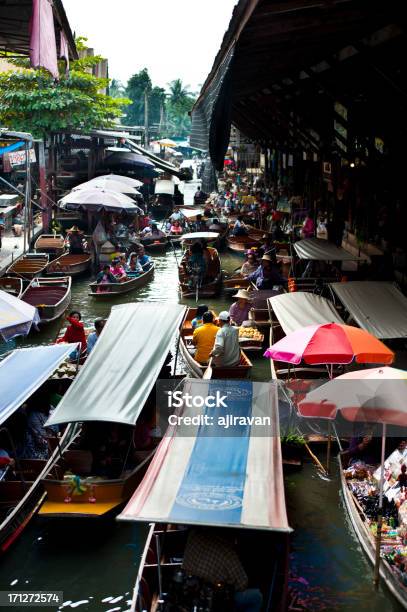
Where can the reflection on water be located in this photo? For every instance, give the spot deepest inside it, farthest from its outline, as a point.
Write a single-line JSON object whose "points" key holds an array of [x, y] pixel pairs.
{"points": [[95, 564]]}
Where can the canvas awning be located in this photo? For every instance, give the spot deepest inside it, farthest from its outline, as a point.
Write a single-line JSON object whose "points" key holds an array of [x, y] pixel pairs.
{"points": [[318, 249], [377, 307], [209, 475], [299, 309], [164, 187], [120, 373], [24, 371]]}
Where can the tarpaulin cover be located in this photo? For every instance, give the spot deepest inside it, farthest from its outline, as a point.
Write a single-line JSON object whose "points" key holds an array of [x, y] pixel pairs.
{"points": [[43, 47], [24, 371], [299, 309], [378, 307], [318, 249], [121, 371], [205, 474], [16, 316]]}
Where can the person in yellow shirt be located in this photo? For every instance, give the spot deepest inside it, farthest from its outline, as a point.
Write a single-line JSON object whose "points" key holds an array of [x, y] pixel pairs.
{"points": [[204, 338]]}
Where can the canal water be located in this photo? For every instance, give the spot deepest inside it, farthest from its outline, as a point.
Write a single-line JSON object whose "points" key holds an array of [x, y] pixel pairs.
{"points": [[95, 565]]}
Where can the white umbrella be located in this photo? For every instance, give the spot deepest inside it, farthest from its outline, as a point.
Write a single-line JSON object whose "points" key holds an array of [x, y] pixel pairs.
{"points": [[99, 199], [127, 180], [110, 185], [16, 316]]}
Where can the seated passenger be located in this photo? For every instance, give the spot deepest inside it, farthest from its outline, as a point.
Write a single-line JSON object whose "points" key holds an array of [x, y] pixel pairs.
{"points": [[212, 556], [196, 264], [133, 267], [250, 265], [117, 270], [226, 351], [156, 233], [105, 276], [144, 260], [35, 444], [198, 321], [176, 228], [204, 337], [93, 337], [239, 311], [239, 228]]}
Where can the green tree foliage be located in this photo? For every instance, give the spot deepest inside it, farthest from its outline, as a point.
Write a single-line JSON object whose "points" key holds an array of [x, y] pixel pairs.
{"points": [[179, 104], [31, 100], [170, 111], [117, 89]]}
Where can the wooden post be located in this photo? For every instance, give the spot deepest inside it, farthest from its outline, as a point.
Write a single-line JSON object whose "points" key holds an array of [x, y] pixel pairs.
{"points": [[328, 448], [44, 201]]}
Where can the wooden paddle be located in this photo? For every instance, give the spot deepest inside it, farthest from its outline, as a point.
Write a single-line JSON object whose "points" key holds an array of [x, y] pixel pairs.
{"points": [[208, 372]]}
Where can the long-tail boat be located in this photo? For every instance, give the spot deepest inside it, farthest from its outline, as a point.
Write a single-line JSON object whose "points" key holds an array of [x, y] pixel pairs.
{"points": [[107, 290], [70, 264], [29, 265], [53, 244], [94, 480], [51, 297], [198, 370], [208, 485]]}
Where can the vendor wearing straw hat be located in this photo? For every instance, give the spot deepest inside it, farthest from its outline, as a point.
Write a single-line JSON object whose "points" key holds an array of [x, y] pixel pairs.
{"points": [[75, 240], [267, 274], [239, 311]]}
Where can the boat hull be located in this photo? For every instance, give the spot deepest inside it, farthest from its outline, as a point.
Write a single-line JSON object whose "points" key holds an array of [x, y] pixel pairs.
{"points": [[72, 265], [50, 296], [199, 371], [49, 243], [240, 244], [155, 246], [12, 285], [367, 543], [114, 289], [29, 266]]}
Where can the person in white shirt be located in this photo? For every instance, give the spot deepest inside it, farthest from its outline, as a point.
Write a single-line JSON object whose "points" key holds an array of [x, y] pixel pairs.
{"points": [[226, 350]]}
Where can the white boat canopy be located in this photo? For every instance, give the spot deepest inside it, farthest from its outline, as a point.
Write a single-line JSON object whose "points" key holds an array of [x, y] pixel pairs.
{"points": [[24, 371], [299, 309], [377, 307], [200, 235], [205, 474], [317, 249], [122, 369], [191, 213]]}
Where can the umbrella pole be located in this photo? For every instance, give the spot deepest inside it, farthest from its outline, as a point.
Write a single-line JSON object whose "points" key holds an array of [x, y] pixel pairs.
{"points": [[376, 577], [328, 448]]}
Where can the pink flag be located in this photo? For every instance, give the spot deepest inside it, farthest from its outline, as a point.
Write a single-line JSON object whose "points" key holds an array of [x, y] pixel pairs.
{"points": [[43, 48], [64, 50]]}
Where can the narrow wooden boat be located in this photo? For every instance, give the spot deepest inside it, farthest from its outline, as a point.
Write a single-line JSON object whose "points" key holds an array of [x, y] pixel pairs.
{"points": [[152, 245], [271, 559], [21, 490], [29, 265], [102, 291], [196, 369], [72, 265], [103, 468], [211, 284], [12, 285], [50, 296], [368, 542], [233, 284], [53, 244], [175, 568], [240, 244]]}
